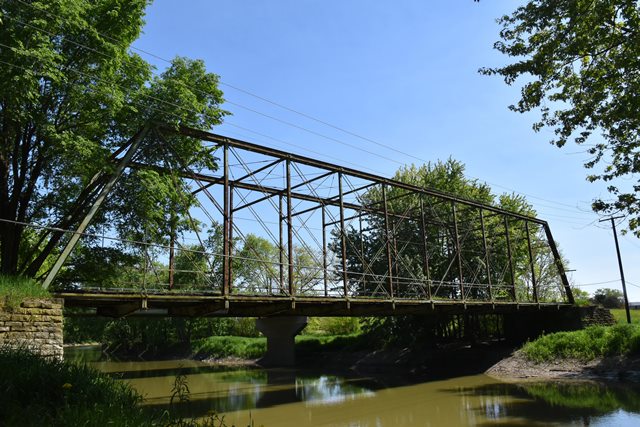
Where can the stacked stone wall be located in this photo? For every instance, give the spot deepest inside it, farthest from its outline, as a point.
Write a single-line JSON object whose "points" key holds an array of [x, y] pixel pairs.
{"points": [[36, 325], [595, 315]]}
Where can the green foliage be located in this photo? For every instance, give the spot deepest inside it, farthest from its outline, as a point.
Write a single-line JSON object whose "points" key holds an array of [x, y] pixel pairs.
{"points": [[578, 60], [15, 289], [229, 346], [150, 335], [621, 315], [608, 298], [38, 391], [365, 251], [580, 296], [603, 398], [585, 344], [332, 326], [313, 344], [72, 94]]}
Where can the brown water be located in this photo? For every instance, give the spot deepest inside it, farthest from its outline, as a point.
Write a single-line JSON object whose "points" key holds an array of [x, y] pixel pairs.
{"points": [[280, 397]]}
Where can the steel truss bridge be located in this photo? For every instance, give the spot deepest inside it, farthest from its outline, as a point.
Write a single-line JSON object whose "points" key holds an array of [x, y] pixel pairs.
{"points": [[266, 232]]}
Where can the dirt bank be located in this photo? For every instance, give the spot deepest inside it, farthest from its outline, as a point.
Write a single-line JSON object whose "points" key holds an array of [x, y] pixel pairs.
{"points": [[612, 368]]}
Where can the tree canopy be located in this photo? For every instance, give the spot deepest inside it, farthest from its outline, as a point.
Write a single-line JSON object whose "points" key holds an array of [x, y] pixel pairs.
{"points": [[578, 61], [608, 298], [426, 251], [73, 93]]}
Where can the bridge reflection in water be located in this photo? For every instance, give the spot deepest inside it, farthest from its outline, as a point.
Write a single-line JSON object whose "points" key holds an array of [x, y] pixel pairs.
{"points": [[268, 232]]}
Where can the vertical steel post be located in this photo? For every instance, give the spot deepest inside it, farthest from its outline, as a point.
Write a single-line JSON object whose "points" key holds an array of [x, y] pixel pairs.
{"points": [[558, 262], [486, 254], [225, 247], [343, 240], [290, 230], [458, 249], [512, 272], [230, 238], [172, 243], [324, 251], [388, 239], [364, 276], [624, 284], [425, 249], [533, 270], [281, 243]]}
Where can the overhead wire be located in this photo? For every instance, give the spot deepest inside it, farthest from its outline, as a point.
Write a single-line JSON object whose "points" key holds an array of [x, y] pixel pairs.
{"points": [[323, 122]]}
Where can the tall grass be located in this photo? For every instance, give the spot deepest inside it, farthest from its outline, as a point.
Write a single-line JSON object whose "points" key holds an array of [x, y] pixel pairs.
{"points": [[620, 315], [586, 344], [45, 392], [37, 391], [14, 289]]}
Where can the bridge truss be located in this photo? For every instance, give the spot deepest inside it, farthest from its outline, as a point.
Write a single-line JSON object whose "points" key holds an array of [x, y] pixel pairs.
{"points": [[267, 226]]}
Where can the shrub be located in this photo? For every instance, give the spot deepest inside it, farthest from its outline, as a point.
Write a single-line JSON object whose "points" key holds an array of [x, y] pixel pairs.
{"points": [[220, 347], [585, 344], [38, 391]]}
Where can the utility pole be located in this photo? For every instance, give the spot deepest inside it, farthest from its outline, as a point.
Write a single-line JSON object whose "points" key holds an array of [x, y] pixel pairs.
{"points": [[624, 285]]}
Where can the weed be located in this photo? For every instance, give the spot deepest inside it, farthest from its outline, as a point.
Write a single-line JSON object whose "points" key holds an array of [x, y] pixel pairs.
{"points": [[15, 289], [586, 344]]}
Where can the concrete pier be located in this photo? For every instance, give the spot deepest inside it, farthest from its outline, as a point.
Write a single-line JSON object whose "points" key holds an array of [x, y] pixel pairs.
{"points": [[280, 333]]}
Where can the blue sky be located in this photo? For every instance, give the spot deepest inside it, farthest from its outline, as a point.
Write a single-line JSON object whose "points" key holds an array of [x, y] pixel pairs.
{"points": [[404, 75]]}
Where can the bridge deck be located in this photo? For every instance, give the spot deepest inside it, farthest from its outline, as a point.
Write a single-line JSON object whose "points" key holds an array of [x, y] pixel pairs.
{"points": [[123, 303]]}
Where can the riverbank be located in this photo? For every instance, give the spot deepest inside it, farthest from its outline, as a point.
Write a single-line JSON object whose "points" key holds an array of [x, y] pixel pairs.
{"points": [[616, 368], [604, 352]]}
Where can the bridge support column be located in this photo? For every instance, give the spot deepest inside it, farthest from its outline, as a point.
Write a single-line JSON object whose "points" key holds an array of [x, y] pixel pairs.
{"points": [[280, 333]]}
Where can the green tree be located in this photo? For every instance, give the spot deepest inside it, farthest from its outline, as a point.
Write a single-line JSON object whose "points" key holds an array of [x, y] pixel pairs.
{"points": [[578, 60], [72, 94], [608, 298], [369, 273], [366, 252], [581, 296], [255, 268]]}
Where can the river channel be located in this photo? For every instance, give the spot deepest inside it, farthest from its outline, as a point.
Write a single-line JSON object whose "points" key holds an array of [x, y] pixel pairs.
{"points": [[311, 397]]}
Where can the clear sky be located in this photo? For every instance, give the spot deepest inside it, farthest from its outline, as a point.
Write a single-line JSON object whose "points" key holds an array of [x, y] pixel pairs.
{"points": [[401, 73]]}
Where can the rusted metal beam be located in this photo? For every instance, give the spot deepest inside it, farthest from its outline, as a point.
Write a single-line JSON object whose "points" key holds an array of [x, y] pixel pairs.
{"points": [[207, 136], [425, 250], [559, 266], [486, 254], [458, 248], [387, 234], [290, 230], [531, 263], [226, 246], [343, 239], [134, 144], [512, 273]]}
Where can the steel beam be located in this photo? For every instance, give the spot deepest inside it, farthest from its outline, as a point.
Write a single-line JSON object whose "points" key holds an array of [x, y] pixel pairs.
{"points": [[134, 144]]}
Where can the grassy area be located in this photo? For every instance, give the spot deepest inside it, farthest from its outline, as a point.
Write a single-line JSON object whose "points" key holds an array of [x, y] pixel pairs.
{"points": [[621, 315], [38, 391], [14, 289], [228, 346], [585, 344], [46, 392]]}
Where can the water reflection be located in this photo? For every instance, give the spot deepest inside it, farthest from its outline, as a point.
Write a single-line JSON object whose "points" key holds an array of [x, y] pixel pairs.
{"points": [[554, 402], [281, 397]]}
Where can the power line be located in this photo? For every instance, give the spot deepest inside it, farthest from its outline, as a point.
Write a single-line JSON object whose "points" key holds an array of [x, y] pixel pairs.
{"points": [[308, 116], [598, 283]]}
